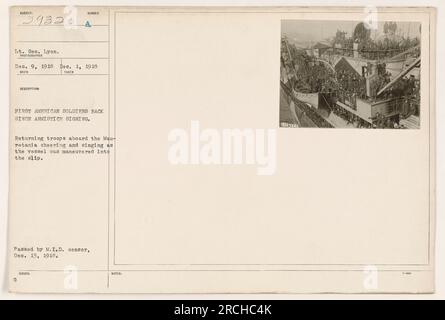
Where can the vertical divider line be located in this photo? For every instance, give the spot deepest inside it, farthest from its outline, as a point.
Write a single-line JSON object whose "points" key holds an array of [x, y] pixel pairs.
{"points": [[108, 182], [114, 135]]}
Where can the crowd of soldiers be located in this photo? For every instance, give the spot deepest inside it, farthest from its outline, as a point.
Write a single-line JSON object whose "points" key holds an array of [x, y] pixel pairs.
{"points": [[353, 84], [349, 117], [407, 92], [319, 121], [347, 86]]}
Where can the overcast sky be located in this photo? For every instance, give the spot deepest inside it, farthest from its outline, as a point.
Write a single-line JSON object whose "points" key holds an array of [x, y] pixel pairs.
{"points": [[303, 31]]}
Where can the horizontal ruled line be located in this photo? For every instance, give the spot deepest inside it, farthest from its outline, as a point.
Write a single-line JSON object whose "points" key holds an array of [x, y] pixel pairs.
{"points": [[62, 41], [64, 74], [66, 58], [61, 25], [235, 270]]}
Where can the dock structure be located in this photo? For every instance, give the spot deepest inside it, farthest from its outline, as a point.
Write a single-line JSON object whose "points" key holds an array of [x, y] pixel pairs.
{"points": [[380, 93]]}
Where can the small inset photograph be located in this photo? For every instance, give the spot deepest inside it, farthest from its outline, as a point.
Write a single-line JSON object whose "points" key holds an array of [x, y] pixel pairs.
{"points": [[349, 74]]}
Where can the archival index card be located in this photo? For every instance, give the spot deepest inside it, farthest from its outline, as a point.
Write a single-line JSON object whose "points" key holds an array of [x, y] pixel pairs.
{"points": [[216, 150]]}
